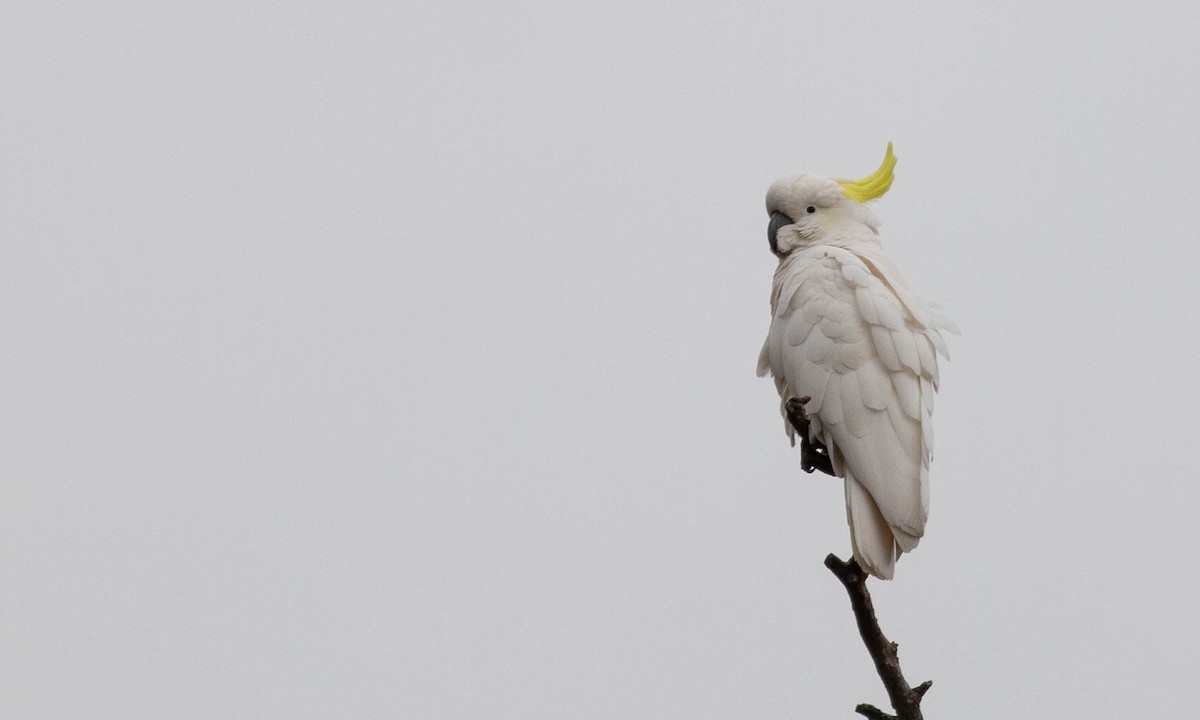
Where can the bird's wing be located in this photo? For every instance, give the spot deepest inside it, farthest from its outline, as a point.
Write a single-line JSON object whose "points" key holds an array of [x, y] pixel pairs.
{"points": [[841, 335]]}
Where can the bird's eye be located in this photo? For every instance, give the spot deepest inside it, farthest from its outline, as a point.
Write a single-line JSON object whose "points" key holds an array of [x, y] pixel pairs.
{"points": [[810, 209]]}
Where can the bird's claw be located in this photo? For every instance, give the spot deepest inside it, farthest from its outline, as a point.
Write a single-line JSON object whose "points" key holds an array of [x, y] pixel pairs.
{"points": [[813, 453]]}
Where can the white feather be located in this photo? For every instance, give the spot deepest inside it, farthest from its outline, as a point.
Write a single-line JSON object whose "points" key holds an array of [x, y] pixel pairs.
{"points": [[908, 392], [866, 305], [831, 409], [929, 368], [886, 348], [871, 538], [939, 343], [847, 333], [906, 348], [854, 410], [874, 387]]}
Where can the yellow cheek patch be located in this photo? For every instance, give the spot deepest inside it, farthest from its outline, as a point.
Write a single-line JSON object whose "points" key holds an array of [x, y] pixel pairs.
{"points": [[873, 185]]}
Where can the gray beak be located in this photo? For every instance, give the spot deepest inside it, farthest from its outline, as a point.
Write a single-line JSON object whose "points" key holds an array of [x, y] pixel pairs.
{"points": [[778, 220]]}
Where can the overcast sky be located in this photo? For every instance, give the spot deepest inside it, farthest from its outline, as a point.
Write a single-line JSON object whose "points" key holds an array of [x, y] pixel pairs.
{"points": [[394, 361]]}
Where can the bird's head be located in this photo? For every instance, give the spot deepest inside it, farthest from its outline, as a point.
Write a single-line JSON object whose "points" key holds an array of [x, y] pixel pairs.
{"points": [[809, 209]]}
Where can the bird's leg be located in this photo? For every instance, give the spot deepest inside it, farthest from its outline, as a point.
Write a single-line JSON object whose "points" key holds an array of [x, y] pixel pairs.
{"points": [[813, 453]]}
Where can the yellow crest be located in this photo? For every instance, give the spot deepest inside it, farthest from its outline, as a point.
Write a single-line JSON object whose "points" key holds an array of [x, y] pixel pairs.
{"points": [[873, 185]]}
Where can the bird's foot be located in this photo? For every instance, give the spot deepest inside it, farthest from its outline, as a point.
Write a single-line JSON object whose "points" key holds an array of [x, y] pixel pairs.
{"points": [[813, 453]]}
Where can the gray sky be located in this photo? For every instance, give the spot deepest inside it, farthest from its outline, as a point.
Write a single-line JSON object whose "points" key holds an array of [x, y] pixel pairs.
{"points": [[380, 361]]}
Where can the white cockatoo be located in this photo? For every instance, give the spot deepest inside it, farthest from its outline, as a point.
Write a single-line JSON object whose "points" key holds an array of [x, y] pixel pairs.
{"points": [[851, 341]]}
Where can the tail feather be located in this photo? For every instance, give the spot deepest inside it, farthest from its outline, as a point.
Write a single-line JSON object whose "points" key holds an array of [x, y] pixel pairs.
{"points": [[875, 546]]}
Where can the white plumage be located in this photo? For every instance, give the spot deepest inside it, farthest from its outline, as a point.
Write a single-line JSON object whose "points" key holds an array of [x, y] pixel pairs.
{"points": [[847, 332]]}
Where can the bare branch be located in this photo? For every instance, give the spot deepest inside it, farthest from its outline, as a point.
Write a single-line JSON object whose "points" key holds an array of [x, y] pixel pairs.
{"points": [[873, 712], [906, 701]]}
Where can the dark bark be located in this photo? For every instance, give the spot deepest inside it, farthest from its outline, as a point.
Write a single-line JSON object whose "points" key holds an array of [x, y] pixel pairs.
{"points": [[906, 701]]}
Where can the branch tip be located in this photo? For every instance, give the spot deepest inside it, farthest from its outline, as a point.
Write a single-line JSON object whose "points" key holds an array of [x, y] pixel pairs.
{"points": [[872, 712]]}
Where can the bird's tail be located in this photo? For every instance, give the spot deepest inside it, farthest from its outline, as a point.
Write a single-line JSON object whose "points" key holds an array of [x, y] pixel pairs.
{"points": [[876, 545]]}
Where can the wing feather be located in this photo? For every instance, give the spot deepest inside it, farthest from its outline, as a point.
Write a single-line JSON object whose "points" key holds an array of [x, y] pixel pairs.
{"points": [[831, 410], [891, 315], [939, 343], [908, 393], [929, 368], [874, 387], [856, 413], [866, 355], [866, 305], [906, 348], [798, 330], [886, 348]]}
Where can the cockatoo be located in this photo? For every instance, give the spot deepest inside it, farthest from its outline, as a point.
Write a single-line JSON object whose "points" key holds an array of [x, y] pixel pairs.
{"points": [[852, 343]]}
